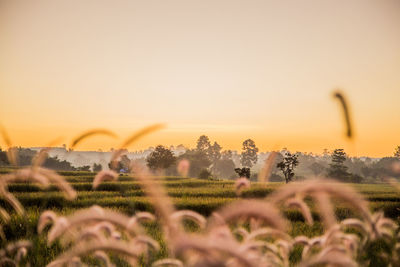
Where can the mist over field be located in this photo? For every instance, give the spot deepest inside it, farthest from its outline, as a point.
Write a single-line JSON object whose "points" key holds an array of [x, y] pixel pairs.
{"points": [[201, 133]]}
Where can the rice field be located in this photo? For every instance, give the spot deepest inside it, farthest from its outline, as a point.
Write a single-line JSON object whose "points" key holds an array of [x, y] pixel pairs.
{"points": [[127, 196]]}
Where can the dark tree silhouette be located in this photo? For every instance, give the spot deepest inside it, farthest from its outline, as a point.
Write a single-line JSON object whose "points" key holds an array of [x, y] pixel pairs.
{"points": [[97, 167], [243, 172], [124, 165], [249, 154], [203, 144], [160, 158], [214, 152], [287, 166], [337, 169], [397, 152], [198, 161]]}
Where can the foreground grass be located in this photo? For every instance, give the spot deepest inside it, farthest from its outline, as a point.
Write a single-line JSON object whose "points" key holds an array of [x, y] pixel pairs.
{"points": [[127, 196]]}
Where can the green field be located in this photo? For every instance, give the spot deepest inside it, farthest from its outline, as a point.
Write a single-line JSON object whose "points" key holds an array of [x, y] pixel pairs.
{"points": [[126, 195]]}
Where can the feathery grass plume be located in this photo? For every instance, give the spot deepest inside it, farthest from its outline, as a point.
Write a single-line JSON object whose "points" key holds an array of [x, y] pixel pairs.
{"points": [[241, 184], [216, 250], [137, 135], [266, 232], [43, 153], [59, 182], [5, 261], [86, 216], [355, 223], [259, 245], [19, 249], [145, 240], [327, 186], [45, 219], [41, 176], [104, 175], [393, 182], [312, 243], [101, 255], [183, 167], [8, 197], [167, 262], [346, 113], [246, 209], [158, 197], [242, 232], [334, 258], [5, 217], [351, 242], [11, 151], [27, 175], [122, 248], [299, 203], [21, 253], [143, 216], [301, 240], [90, 133], [104, 227], [326, 209], [382, 227], [265, 172], [195, 217], [15, 247], [2, 235], [89, 235]]}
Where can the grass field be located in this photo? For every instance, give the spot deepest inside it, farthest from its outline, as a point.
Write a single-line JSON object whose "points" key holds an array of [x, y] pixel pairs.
{"points": [[126, 195]]}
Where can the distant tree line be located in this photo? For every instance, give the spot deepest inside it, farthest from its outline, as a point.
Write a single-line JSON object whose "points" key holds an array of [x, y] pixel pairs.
{"points": [[26, 155], [207, 160]]}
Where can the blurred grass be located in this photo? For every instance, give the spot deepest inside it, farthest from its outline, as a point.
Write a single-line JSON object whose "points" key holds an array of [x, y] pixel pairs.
{"points": [[125, 195]]}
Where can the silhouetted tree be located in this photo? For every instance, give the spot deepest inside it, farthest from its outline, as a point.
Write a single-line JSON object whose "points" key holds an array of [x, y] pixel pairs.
{"points": [[243, 172], [224, 168], [123, 165], [205, 174], [214, 155], [3, 158], [226, 154], [97, 167], [203, 144], [337, 169], [214, 152], [287, 166], [198, 161], [85, 168], [397, 152], [249, 153], [160, 158]]}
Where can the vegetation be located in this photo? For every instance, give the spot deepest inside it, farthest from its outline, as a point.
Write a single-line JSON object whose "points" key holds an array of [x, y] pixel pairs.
{"points": [[337, 169], [397, 152], [160, 158], [243, 172], [249, 153], [88, 218], [127, 196], [287, 166]]}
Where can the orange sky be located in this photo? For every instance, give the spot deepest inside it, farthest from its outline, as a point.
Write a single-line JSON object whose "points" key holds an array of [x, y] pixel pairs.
{"points": [[230, 69]]}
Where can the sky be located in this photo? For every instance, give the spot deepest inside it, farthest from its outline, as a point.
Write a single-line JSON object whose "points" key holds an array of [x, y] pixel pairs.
{"points": [[230, 69]]}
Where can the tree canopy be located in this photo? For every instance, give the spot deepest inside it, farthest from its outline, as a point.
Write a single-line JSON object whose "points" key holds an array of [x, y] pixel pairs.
{"points": [[160, 158], [249, 153], [287, 166]]}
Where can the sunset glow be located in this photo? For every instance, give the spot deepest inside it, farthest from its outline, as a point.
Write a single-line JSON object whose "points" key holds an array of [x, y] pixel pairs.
{"points": [[265, 70]]}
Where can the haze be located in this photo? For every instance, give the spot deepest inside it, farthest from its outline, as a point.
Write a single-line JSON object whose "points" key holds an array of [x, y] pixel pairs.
{"points": [[232, 70]]}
